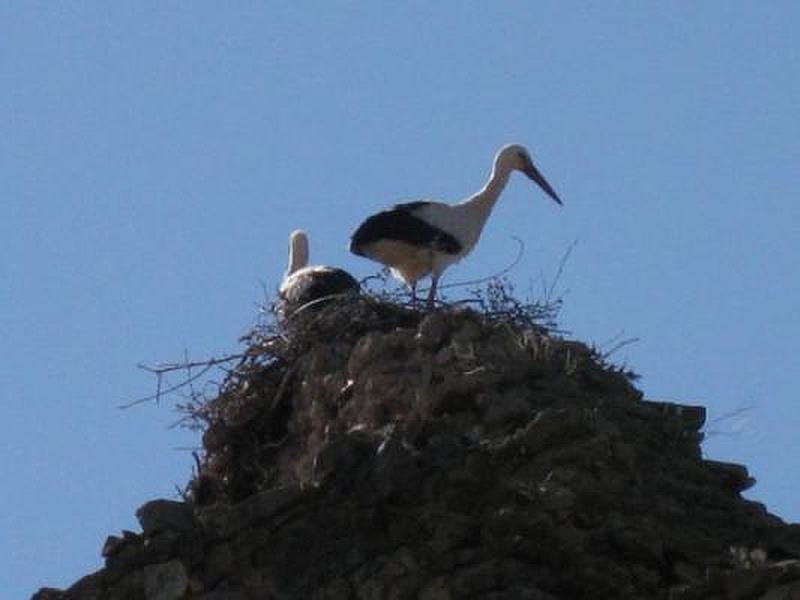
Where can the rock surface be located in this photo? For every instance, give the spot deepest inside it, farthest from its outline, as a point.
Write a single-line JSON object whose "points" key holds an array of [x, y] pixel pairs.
{"points": [[379, 453]]}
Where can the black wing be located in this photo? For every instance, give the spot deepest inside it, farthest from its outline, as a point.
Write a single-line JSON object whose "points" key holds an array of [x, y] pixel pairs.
{"points": [[399, 223], [313, 283]]}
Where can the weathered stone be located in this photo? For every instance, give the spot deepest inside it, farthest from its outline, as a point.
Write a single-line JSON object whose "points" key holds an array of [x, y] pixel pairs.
{"points": [[226, 519], [789, 591], [338, 460], [519, 593], [338, 589], [547, 428], [692, 418], [127, 551], [395, 469], [160, 515], [556, 497], [472, 580], [372, 589], [451, 532], [744, 585], [500, 410], [226, 595], [731, 475], [686, 572], [115, 545], [383, 453], [218, 562], [784, 570], [406, 588], [782, 538], [129, 587], [436, 590], [48, 594], [165, 581]]}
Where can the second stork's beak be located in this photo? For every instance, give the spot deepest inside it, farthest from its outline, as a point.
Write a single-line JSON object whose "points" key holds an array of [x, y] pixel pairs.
{"points": [[532, 172]]}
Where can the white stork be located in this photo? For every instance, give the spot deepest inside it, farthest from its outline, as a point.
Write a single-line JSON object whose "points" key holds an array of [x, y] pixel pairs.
{"points": [[303, 284], [416, 239]]}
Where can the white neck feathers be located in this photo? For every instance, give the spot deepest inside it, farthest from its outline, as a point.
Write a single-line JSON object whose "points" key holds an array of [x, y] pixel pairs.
{"points": [[483, 201], [298, 251]]}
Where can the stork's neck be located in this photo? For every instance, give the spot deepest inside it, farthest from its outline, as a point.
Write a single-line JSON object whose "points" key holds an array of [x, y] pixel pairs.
{"points": [[482, 203], [298, 253]]}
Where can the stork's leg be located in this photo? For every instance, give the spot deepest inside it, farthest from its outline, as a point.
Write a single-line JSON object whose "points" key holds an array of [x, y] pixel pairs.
{"points": [[432, 292]]}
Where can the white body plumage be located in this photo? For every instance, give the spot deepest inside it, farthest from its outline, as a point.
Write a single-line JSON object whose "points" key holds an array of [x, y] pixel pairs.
{"points": [[416, 239]]}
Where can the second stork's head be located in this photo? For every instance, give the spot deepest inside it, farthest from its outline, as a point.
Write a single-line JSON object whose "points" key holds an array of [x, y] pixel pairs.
{"points": [[516, 158]]}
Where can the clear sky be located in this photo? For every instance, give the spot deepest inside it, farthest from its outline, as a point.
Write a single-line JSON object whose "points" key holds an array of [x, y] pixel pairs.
{"points": [[154, 157]]}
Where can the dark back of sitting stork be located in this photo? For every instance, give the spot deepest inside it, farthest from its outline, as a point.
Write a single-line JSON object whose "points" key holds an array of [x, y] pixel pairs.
{"points": [[306, 288], [417, 239]]}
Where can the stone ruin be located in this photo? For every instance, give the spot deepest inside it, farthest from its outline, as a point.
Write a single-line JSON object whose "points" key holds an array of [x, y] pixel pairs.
{"points": [[371, 451]]}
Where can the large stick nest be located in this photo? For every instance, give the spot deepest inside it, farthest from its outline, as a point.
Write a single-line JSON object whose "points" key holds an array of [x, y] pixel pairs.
{"points": [[365, 363]]}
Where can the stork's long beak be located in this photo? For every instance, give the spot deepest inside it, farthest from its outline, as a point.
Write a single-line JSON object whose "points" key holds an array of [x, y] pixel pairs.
{"points": [[532, 172]]}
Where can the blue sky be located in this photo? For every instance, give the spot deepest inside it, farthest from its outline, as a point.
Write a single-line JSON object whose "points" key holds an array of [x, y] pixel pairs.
{"points": [[155, 156]]}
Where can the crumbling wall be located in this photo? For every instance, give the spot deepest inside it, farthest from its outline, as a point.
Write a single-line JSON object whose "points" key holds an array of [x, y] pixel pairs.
{"points": [[376, 452]]}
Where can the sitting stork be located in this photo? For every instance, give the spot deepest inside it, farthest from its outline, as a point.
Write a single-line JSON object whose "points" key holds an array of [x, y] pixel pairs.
{"points": [[416, 239], [303, 285]]}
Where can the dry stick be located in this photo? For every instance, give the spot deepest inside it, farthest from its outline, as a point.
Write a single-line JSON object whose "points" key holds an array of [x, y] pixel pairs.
{"points": [[509, 267], [382, 276], [548, 292], [276, 400], [618, 346], [162, 370], [208, 364], [725, 417], [315, 302], [612, 340], [520, 252], [188, 366]]}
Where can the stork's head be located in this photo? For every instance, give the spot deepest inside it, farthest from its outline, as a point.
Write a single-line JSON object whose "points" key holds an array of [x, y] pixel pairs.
{"points": [[515, 157]]}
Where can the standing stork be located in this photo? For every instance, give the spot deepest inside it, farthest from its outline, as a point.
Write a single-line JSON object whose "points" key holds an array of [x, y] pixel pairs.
{"points": [[416, 239], [303, 285]]}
